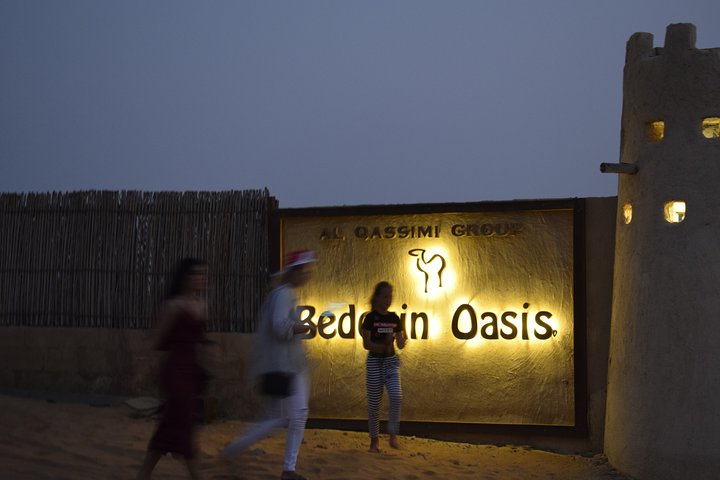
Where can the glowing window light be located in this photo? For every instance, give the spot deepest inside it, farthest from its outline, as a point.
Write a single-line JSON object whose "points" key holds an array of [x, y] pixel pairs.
{"points": [[711, 127], [656, 130], [674, 211], [627, 213]]}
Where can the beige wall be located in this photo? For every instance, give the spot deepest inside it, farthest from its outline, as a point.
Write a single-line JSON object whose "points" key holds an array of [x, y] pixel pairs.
{"points": [[121, 361], [522, 266]]}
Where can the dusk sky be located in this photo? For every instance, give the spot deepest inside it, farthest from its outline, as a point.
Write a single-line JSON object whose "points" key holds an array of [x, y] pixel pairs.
{"points": [[325, 103]]}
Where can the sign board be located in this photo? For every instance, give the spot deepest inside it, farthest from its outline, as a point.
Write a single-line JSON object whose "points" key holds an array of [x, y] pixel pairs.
{"points": [[486, 297]]}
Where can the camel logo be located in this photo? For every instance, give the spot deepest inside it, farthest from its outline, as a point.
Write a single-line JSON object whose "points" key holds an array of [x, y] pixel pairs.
{"points": [[429, 265]]}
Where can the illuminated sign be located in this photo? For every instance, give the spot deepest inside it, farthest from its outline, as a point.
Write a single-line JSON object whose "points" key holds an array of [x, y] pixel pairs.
{"points": [[486, 299]]}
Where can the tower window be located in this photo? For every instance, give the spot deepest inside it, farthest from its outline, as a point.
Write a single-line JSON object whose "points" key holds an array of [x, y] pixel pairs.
{"points": [[711, 127], [656, 130], [674, 211], [627, 213]]}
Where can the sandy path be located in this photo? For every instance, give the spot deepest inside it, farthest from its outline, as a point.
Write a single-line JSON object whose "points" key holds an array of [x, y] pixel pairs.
{"points": [[43, 440]]}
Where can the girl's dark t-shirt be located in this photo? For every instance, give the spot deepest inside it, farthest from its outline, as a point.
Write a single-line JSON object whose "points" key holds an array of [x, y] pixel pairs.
{"points": [[381, 326]]}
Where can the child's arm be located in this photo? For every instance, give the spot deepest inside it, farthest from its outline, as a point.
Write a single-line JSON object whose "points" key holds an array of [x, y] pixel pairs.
{"points": [[371, 346], [401, 339]]}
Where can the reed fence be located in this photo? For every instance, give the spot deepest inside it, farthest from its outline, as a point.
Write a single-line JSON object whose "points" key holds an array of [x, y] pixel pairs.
{"points": [[106, 258]]}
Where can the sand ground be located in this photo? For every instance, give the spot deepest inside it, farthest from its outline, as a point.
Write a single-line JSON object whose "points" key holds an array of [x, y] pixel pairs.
{"points": [[44, 440]]}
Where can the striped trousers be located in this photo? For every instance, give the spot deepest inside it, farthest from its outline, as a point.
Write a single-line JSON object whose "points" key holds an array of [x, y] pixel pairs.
{"points": [[383, 372]]}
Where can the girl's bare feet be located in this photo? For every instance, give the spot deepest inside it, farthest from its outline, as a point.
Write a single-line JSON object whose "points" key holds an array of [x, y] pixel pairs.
{"points": [[394, 442], [374, 445]]}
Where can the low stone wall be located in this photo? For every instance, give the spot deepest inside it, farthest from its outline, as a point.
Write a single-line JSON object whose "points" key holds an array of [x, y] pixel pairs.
{"points": [[117, 362]]}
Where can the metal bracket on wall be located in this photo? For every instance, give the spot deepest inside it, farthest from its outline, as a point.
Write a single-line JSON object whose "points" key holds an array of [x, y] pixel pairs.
{"points": [[628, 168]]}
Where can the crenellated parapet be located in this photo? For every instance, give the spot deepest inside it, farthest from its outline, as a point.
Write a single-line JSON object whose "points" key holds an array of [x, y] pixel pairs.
{"points": [[670, 132], [679, 38]]}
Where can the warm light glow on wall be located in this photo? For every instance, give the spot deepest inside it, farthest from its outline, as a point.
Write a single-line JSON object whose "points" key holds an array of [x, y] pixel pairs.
{"points": [[656, 130], [711, 127], [486, 299], [428, 266], [627, 213], [674, 211]]}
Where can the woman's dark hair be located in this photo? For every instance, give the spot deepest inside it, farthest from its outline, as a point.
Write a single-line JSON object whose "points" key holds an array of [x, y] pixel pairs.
{"points": [[378, 288], [184, 268]]}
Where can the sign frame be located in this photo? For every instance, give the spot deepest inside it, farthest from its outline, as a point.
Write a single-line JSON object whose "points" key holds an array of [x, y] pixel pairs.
{"points": [[577, 206]]}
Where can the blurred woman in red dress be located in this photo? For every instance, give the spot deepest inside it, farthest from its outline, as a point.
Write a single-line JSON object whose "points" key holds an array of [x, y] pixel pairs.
{"points": [[181, 327]]}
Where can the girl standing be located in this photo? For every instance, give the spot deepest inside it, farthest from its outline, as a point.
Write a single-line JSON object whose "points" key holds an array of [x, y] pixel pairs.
{"points": [[381, 330]]}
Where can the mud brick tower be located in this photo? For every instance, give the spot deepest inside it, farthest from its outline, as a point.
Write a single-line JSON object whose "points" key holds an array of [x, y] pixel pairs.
{"points": [[663, 404]]}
